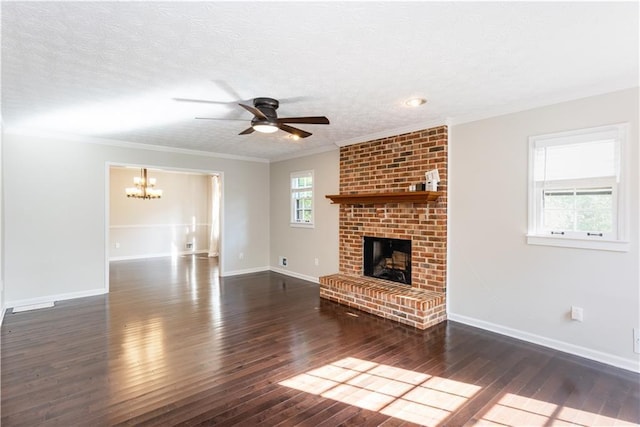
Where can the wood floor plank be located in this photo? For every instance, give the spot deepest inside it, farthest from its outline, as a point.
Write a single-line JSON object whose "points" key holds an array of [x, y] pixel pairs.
{"points": [[174, 344]]}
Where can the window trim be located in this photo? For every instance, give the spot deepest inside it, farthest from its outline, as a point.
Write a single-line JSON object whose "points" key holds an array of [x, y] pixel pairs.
{"points": [[619, 242], [292, 176]]}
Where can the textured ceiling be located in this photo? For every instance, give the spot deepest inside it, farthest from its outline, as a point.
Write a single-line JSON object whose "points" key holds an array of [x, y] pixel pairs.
{"points": [[110, 69]]}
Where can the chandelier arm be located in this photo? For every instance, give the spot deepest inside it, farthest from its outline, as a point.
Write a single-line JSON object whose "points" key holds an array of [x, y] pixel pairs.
{"points": [[143, 187]]}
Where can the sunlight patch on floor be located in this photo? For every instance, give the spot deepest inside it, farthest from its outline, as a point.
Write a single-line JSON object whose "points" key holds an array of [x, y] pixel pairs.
{"points": [[400, 393], [515, 410]]}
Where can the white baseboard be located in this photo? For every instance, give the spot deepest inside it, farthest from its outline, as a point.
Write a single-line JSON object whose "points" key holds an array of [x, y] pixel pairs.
{"points": [[3, 308], [294, 274], [275, 270], [21, 308], [53, 298], [245, 271], [159, 255], [598, 356]]}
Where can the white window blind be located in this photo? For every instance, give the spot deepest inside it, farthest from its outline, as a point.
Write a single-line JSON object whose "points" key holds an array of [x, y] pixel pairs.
{"points": [[576, 161]]}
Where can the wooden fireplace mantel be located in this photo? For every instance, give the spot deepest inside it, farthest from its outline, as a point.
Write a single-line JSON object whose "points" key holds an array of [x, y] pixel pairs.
{"points": [[390, 197]]}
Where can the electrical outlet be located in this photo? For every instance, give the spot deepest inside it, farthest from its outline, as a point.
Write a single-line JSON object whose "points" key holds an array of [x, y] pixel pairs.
{"points": [[188, 245], [117, 245], [282, 261], [636, 340], [577, 313], [241, 255], [316, 262]]}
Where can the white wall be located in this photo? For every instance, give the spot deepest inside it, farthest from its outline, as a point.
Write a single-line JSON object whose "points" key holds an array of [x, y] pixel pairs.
{"points": [[496, 280], [302, 246], [144, 228], [2, 304], [55, 213]]}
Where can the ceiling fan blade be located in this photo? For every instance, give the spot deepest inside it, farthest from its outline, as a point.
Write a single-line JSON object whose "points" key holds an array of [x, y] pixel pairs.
{"points": [[216, 118], [203, 101], [295, 131], [254, 111], [293, 99], [247, 131], [319, 120], [228, 89]]}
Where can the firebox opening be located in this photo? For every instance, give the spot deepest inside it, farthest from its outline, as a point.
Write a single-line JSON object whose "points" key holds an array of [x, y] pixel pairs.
{"points": [[388, 259]]}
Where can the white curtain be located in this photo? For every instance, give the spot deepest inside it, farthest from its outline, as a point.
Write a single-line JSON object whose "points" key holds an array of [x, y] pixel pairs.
{"points": [[214, 217]]}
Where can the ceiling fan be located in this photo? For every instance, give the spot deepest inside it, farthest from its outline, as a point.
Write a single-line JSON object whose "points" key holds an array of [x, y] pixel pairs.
{"points": [[265, 119]]}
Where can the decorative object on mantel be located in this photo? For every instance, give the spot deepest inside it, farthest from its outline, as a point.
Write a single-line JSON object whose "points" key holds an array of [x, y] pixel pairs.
{"points": [[380, 198], [417, 187], [433, 179], [144, 187]]}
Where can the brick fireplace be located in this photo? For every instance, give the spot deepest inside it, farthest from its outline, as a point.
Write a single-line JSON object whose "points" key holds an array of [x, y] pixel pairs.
{"points": [[391, 165]]}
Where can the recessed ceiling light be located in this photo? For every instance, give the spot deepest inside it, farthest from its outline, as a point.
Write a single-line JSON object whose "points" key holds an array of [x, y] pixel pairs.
{"points": [[415, 102]]}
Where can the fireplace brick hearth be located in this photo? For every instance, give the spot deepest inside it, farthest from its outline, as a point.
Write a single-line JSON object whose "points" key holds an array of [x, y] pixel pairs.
{"points": [[388, 165], [411, 306]]}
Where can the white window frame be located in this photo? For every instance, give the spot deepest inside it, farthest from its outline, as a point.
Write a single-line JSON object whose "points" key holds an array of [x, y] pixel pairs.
{"points": [[292, 216], [617, 240]]}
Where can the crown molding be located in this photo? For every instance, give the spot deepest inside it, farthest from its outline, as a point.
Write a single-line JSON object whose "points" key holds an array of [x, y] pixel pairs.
{"points": [[311, 151], [392, 132], [127, 144], [448, 121], [532, 105]]}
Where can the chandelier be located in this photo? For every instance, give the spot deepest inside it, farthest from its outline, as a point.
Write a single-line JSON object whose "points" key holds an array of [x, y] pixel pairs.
{"points": [[144, 187]]}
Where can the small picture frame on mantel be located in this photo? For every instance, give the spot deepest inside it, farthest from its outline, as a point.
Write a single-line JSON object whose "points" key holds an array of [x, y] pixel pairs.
{"points": [[433, 179]]}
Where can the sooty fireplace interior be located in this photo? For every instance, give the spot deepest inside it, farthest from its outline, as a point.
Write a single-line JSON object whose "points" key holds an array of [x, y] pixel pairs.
{"points": [[388, 259]]}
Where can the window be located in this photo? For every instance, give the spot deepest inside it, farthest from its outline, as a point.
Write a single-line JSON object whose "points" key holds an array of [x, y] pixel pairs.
{"points": [[577, 189], [302, 199]]}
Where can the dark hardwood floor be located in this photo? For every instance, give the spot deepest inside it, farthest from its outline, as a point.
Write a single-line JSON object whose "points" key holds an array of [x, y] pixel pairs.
{"points": [[172, 344]]}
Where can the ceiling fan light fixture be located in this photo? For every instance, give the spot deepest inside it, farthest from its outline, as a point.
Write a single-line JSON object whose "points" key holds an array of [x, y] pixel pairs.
{"points": [[265, 127], [415, 102], [266, 120]]}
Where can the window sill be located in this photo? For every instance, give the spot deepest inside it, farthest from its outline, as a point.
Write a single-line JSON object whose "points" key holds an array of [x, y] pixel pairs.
{"points": [[302, 224], [601, 245]]}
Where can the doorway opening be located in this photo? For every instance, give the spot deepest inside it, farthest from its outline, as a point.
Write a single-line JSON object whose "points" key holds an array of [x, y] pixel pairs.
{"points": [[186, 220]]}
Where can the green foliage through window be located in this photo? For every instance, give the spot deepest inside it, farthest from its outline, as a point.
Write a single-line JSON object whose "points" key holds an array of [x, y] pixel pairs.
{"points": [[302, 197], [587, 210]]}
